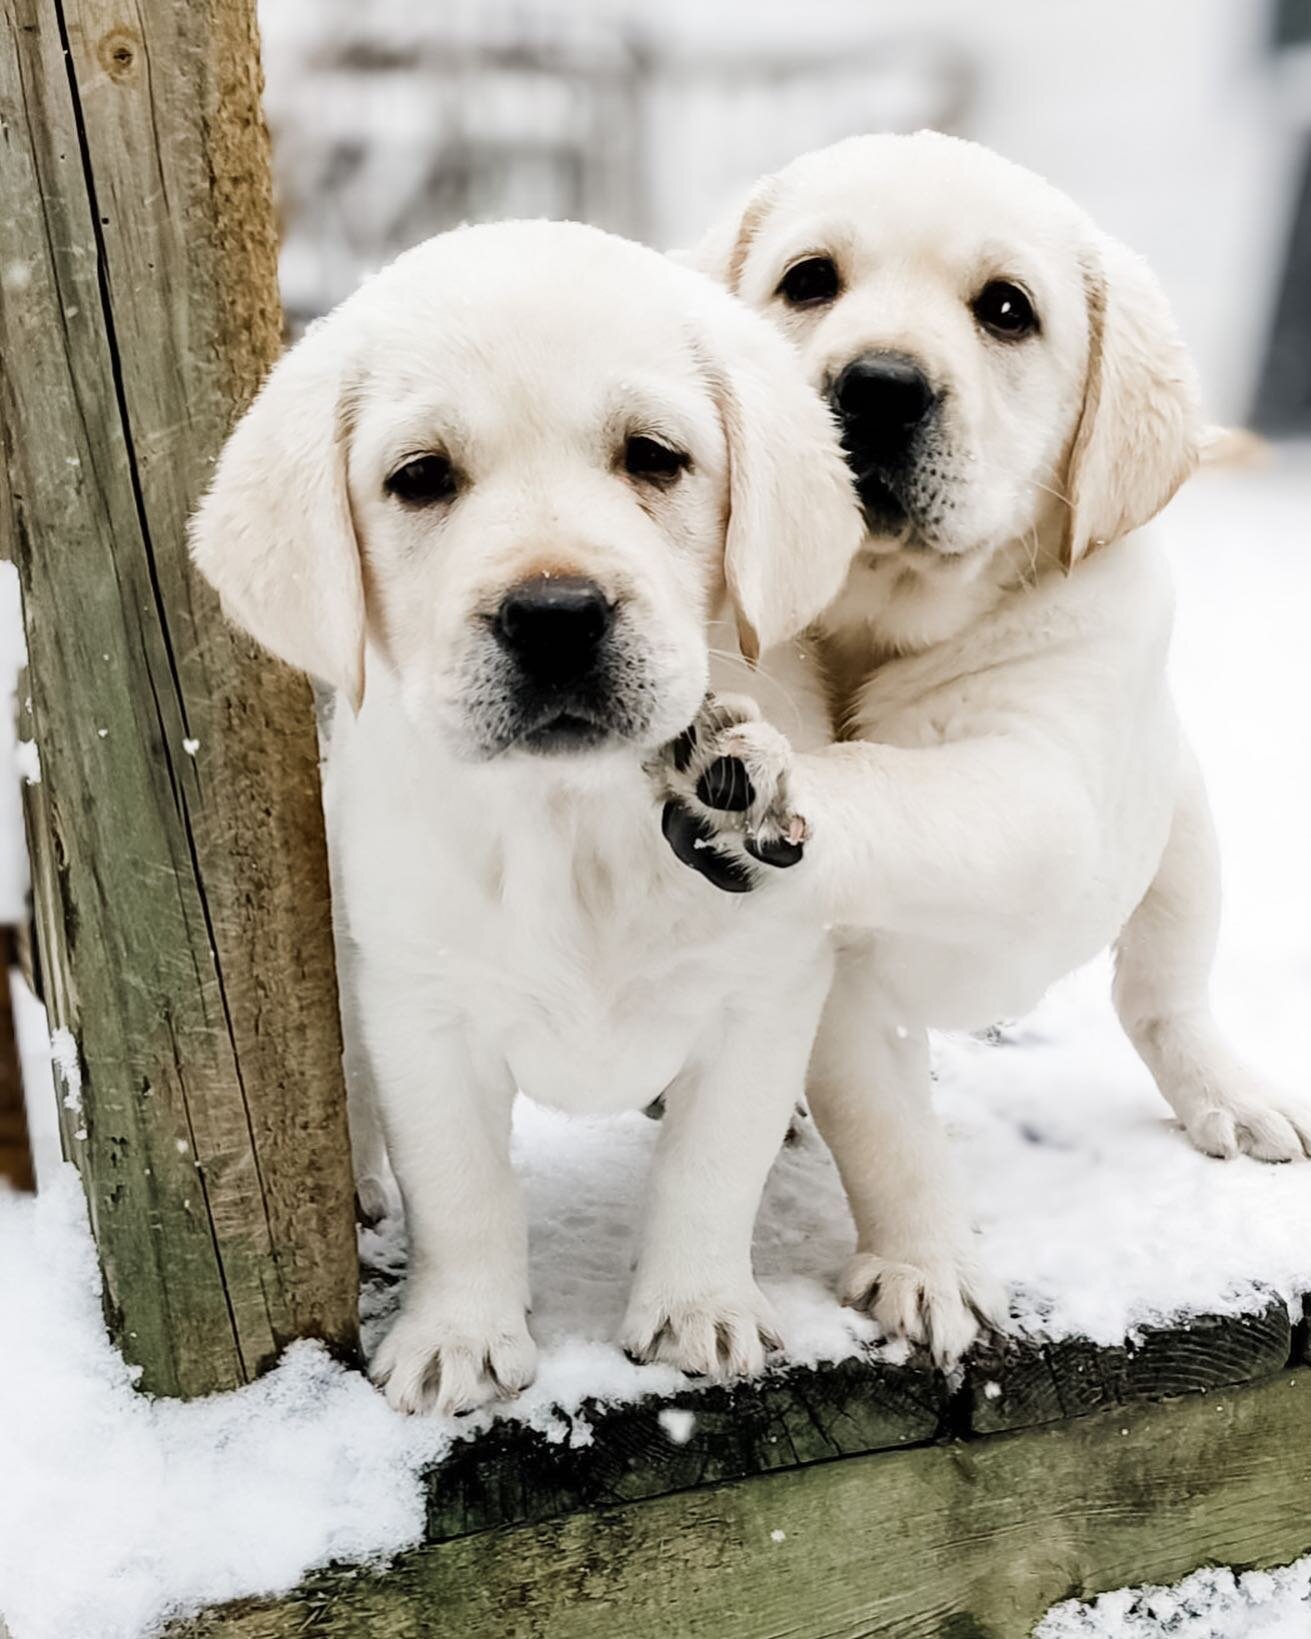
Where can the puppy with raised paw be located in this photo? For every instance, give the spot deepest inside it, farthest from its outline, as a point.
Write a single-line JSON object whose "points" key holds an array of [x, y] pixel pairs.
{"points": [[1012, 791]]}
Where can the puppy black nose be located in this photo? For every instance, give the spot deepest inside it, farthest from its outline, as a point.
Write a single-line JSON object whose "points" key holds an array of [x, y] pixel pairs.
{"points": [[882, 399], [553, 625]]}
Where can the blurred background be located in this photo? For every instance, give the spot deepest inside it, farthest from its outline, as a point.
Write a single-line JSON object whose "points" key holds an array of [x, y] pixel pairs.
{"points": [[1183, 126]]}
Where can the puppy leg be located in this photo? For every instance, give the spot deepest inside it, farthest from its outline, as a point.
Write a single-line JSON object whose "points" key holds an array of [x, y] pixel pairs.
{"points": [[462, 1337], [695, 1302], [915, 1270], [1162, 973]]}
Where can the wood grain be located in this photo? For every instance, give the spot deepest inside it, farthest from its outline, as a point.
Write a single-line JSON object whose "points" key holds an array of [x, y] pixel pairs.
{"points": [[513, 1474], [1031, 1383], [179, 868], [944, 1541]]}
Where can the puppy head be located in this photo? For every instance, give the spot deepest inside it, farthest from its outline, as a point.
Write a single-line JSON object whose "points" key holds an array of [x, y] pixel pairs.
{"points": [[1007, 378], [519, 469]]}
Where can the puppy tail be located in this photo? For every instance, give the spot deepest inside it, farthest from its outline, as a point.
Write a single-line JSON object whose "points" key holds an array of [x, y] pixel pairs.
{"points": [[1233, 449]]}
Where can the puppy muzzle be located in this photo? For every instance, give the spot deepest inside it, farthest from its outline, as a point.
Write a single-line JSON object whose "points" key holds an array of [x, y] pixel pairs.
{"points": [[558, 669]]}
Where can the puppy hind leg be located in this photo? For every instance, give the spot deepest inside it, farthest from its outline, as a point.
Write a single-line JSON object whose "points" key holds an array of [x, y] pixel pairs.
{"points": [[1163, 962], [915, 1270], [376, 1192]]}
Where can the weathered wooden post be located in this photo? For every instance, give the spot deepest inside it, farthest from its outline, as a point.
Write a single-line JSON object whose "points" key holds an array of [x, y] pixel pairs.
{"points": [[179, 865]]}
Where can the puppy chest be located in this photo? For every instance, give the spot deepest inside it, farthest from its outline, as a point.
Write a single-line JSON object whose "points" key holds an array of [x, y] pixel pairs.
{"points": [[589, 1025], [603, 1015]]}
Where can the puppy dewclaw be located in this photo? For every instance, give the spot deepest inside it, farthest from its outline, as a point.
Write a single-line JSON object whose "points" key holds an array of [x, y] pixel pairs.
{"points": [[1015, 793], [506, 500]]}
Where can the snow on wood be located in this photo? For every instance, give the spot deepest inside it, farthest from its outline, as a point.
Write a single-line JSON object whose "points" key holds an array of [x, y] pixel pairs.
{"points": [[1211, 1604]]}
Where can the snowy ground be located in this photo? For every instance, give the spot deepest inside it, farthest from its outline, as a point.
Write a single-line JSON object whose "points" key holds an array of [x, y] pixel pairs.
{"points": [[115, 1511], [1211, 1604]]}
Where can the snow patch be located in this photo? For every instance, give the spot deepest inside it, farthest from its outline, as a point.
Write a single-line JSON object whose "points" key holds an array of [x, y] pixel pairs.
{"points": [[1210, 1604], [27, 760], [65, 1058], [117, 1512], [677, 1424]]}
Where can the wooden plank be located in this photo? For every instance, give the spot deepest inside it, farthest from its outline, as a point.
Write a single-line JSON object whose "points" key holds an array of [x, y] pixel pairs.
{"points": [[1024, 1384], [179, 868], [949, 1541], [514, 1474]]}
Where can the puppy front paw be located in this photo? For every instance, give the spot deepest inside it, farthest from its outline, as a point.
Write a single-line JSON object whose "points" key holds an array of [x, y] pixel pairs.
{"points": [[436, 1359], [940, 1304], [728, 795], [719, 1334], [1249, 1119]]}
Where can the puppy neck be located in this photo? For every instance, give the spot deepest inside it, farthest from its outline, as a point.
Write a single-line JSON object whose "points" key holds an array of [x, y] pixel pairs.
{"points": [[907, 600]]}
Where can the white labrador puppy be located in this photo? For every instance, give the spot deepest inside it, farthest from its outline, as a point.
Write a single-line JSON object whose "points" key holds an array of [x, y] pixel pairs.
{"points": [[498, 500], [1016, 792]]}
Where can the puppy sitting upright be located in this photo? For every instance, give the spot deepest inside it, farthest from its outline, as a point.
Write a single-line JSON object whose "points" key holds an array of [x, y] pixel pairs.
{"points": [[498, 499], [1017, 793]]}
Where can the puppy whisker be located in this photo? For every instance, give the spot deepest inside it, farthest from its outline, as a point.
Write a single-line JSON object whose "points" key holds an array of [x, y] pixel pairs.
{"points": [[753, 674]]}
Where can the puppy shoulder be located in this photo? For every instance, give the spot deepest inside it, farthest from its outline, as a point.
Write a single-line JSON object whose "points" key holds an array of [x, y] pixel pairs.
{"points": [[1124, 590]]}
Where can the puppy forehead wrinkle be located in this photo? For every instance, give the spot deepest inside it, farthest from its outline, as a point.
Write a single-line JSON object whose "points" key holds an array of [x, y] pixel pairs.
{"points": [[675, 406], [787, 238], [470, 400], [893, 187]]}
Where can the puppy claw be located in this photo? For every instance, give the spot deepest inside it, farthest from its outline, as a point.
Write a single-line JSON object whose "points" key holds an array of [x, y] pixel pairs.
{"points": [[716, 1337], [781, 853], [941, 1308], [1251, 1119], [429, 1363]]}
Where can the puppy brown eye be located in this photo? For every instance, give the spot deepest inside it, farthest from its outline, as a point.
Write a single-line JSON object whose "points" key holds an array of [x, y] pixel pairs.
{"points": [[648, 458], [1005, 310], [423, 482], [806, 284]]}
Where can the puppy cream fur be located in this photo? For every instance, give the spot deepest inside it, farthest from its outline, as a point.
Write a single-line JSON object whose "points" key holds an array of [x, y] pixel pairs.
{"points": [[513, 918], [1015, 792]]}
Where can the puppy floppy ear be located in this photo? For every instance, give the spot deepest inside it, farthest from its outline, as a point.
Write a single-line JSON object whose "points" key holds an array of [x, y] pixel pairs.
{"points": [[722, 250], [793, 521], [274, 534], [1139, 434]]}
